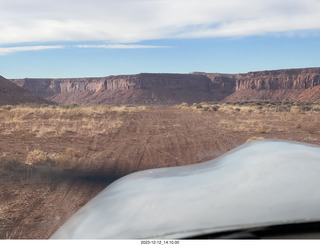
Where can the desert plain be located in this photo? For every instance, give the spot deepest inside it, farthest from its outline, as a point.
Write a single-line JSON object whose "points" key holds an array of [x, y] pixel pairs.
{"points": [[55, 158]]}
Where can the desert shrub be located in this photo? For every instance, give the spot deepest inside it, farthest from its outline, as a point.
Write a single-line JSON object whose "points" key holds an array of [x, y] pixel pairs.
{"points": [[7, 107], [316, 109], [261, 129], [206, 108], [183, 105], [298, 125], [72, 152], [72, 106], [295, 109], [286, 103], [68, 160], [45, 131], [254, 138], [215, 108], [30, 105], [64, 161], [73, 112], [22, 136], [238, 109], [306, 108], [283, 109], [37, 157]]}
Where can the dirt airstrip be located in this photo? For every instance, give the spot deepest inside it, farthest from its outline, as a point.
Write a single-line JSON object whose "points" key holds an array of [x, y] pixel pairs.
{"points": [[72, 153]]}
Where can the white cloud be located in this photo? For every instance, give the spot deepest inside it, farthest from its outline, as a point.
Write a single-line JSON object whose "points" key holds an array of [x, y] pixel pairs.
{"points": [[9, 50], [120, 46], [128, 21]]}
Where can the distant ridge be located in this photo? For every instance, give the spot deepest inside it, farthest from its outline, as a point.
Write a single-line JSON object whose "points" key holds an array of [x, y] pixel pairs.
{"points": [[169, 89], [278, 85], [11, 94], [140, 89]]}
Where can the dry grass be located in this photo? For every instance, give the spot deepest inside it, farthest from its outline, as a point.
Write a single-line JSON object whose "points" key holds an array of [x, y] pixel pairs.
{"points": [[262, 117], [28, 128], [37, 157], [67, 160], [25, 122], [55, 121], [254, 138], [102, 142], [60, 121], [252, 107]]}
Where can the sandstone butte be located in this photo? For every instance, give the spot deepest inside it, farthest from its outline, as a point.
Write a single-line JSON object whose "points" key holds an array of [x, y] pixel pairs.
{"points": [[169, 89]]}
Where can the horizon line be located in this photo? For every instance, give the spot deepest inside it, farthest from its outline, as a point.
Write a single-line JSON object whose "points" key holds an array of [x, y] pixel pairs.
{"points": [[178, 73]]}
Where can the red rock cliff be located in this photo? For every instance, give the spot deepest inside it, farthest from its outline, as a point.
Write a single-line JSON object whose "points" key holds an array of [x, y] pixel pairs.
{"points": [[133, 89], [277, 85], [164, 89], [279, 79]]}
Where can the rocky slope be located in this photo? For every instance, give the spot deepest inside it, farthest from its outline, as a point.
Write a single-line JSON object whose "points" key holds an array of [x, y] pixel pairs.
{"points": [[11, 94], [168, 89]]}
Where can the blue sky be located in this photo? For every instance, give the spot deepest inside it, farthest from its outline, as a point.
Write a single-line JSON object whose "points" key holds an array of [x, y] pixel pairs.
{"points": [[69, 38]]}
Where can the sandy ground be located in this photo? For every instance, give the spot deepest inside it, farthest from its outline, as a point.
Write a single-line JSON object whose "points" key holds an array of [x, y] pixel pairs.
{"points": [[36, 201]]}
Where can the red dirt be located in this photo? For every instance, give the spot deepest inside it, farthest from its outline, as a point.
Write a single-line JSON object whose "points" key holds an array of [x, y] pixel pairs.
{"points": [[34, 206]]}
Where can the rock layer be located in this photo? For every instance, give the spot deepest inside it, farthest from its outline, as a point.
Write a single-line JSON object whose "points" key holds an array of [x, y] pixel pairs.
{"points": [[167, 89], [277, 85], [280, 79], [149, 89]]}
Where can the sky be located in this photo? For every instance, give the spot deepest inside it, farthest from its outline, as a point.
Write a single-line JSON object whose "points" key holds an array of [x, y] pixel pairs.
{"points": [[88, 38]]}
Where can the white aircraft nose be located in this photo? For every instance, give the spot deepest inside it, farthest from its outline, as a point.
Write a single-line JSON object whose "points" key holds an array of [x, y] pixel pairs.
{"points": [[261, 183]]}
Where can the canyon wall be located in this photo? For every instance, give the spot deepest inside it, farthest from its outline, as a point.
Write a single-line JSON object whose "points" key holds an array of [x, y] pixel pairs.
{"points": [[276, 85], [145, 88], [168, 89], [280, 79]]}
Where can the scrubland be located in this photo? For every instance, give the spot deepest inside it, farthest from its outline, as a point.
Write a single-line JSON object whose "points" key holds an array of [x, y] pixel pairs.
{"points": [[53, 159], [36, 122], [265, 117]]}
